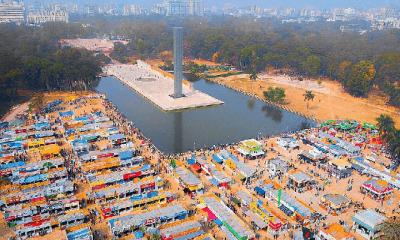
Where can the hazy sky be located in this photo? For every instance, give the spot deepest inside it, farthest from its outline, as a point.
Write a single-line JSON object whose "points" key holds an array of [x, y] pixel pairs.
{"points": [[263, 3]]}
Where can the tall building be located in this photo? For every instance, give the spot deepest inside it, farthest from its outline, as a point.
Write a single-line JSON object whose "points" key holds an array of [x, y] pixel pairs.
{"points": [[159, 9], [91, 10], [195, 7], [178, 57], [12, 12], [184, 8], [53, 14], [177, 8], [132, 9]]}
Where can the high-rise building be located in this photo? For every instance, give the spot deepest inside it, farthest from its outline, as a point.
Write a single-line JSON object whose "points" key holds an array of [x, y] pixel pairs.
{"points": [[53, 14], [12, 12], [91, 10], [195, 7], [184, 8], [177, 8], [132, 9], [159, 9]]}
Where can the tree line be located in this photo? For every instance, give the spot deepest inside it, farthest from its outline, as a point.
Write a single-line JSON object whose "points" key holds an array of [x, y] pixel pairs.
{"points": [[359, 62], [32, 59]]}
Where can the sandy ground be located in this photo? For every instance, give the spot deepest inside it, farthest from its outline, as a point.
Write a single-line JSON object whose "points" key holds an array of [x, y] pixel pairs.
{"points": [[19, 109], [94, 44], [330, 102]]}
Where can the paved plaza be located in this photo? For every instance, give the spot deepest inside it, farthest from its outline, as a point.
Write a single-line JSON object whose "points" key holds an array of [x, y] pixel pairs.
{"points": [[158, 88]]}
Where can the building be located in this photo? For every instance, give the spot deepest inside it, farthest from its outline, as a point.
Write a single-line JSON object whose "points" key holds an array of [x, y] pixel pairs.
{"points": [[132, 9], [12, 12], [91, 10], [195, 8], [159, 9], [184, 8], [367, 223], [177, 8], [49, 15]]}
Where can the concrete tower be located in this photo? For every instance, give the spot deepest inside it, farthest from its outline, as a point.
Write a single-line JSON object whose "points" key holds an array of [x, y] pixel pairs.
{"points": [[178, 56]]}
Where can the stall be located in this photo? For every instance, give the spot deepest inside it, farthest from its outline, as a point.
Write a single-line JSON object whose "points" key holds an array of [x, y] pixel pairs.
{"points": [[340, 168], [299, 181], [128, 224], [335, 204], [334, 231], [251, 149], [376, 188], [367, 223]]}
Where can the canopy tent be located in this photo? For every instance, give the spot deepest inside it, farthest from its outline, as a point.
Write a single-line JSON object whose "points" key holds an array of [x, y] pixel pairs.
{"points": [[369, 126]]}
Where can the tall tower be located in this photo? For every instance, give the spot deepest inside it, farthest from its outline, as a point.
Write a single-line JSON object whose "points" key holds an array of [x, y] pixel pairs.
{"points": [[178, 56]]}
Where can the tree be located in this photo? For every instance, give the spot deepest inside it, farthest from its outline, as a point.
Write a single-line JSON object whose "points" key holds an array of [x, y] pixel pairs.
{"points": [[390, 230], [385, 124], [308, 96], [166, 57], [344, 70], [391, 136], [359, 82], [276, 95], [253, 75], [312, 65]]}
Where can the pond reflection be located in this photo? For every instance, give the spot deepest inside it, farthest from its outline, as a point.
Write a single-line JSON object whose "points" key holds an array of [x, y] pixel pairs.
{"points": [[240, 117]]}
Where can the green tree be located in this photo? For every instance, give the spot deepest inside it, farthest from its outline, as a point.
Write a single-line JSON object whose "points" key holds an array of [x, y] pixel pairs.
{"points": [[390, 230], [390, 135], [275, 94], [253, 75], [343, 71], [359, 82], [312, 66], [308, 96], [385, 124]]}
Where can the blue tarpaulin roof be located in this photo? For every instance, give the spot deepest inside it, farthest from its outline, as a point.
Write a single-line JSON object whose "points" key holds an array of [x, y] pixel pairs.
{"points": [[11, 165], [145, 167], [79, 234], [214, 181], [70, 131], [4, 125], [78, 142], [136, 197], [259, 191], [32, 179], [217, 159], [126, 155], [66, 114], [138, 234], [116, 137], [218, 222], [41, 125], [14, 145], [191, 161]]}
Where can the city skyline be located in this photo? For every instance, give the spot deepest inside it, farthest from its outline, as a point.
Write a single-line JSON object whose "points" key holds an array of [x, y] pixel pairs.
{"points": [[316, 4]]}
